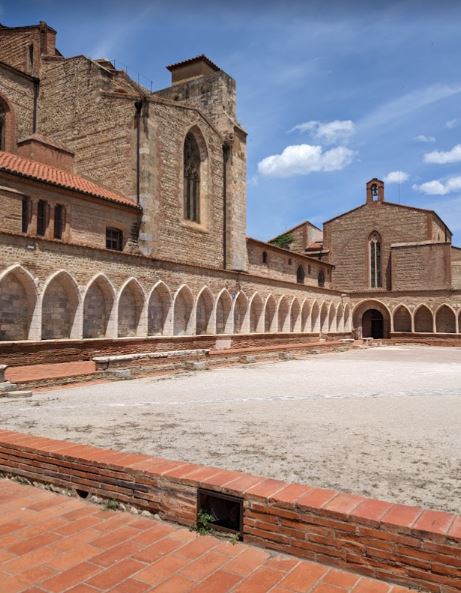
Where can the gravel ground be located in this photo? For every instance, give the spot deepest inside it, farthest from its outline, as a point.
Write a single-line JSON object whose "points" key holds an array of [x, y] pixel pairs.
{"points": [[383, 422]]}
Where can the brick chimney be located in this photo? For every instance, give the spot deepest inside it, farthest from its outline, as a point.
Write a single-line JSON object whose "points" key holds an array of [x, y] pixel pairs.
{"points": [[44, 150]]}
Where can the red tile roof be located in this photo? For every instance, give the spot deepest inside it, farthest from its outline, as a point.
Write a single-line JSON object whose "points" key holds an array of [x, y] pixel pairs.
{"points": [[12, 163], [200, 58]]}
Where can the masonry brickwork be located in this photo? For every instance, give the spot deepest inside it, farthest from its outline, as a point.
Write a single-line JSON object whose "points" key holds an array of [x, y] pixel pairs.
{"points": [[96, 241]]}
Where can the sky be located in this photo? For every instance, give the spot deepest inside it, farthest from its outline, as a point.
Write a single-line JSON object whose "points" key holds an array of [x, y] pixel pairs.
{"points": [[331, 92]]}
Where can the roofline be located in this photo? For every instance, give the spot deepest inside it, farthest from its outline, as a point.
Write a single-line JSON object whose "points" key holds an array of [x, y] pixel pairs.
{"points": [[296, 227], [385, 202], [288, 252], [199, 58], [27, 27], [6, 171]]}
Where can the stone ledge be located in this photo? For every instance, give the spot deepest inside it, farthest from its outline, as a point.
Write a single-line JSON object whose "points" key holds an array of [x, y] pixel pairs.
{"points": [[393, 542]]}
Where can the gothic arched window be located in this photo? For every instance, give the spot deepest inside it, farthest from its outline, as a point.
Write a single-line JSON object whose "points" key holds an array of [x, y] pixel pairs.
{"points": [[375, 261], [191, 179]]}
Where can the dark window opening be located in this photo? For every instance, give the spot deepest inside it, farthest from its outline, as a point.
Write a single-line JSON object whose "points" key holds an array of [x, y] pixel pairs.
{"points": [[42, 218], [82, 493], [30, 55], [264, 257], [25, 214], [308, 269], [300, 275], [114, 239], [191, 179], [289, 261], [58, 221], [321, 278], [225, 511], [375, 263], [374, 192]]}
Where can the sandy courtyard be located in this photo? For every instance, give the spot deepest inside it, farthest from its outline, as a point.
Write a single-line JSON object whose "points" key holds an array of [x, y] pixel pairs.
{"points": [[383, 422]]}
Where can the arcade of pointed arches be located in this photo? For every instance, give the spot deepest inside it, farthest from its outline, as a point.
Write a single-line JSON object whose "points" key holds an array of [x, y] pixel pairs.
{"points": [[61, 309], [402, 318]]}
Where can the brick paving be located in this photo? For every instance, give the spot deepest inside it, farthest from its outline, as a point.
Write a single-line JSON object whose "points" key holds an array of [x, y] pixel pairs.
{"points": [[55, 370], [51, 543]]}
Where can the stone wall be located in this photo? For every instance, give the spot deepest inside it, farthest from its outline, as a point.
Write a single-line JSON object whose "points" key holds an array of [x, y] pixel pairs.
{"points": [[142, 295], [17, 92], [85, 217], [414, 266], [283, 264], [347, 238]]}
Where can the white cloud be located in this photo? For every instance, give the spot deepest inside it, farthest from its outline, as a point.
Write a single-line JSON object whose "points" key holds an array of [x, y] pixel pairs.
{"points": [[330, 132], [424, 138], [302, 159], [396, 177], [452, 123], [441, 158], [440, 188]]}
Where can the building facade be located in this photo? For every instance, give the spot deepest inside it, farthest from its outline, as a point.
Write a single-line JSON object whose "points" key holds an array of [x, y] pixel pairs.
{"points": [[124, 215]]}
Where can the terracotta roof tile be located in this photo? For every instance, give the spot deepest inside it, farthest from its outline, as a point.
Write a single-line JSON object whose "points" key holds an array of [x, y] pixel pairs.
{"points": [[12, 163]]}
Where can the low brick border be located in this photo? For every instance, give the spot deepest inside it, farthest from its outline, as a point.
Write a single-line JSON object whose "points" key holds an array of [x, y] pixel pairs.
{"points": [[393, 542]]}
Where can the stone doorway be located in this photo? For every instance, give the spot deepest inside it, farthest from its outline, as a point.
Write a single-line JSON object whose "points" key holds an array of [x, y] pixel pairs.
{"points": [[373, 324]]}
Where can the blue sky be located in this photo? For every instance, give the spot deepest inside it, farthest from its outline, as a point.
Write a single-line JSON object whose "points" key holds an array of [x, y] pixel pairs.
{"points": [[331, 93]]}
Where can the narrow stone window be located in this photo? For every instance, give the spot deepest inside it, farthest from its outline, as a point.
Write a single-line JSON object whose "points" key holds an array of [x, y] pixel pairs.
{"points": [[25, 214], [58, 221], [375, 261], [264, 257], [321, 278], [42, 218], [114, 239], [191, 179], [300, 275]]}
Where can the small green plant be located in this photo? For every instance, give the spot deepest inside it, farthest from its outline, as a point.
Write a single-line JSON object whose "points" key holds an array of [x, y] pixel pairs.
{"points": [[283, 241], [202, 525], [235, 538], [111, 505]]}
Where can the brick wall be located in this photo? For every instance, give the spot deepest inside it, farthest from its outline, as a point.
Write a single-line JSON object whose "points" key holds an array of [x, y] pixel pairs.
{"points": [[393, 542]]}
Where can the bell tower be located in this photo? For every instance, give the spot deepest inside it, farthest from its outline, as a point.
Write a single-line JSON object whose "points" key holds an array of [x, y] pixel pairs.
{"points": [[375, 190]]}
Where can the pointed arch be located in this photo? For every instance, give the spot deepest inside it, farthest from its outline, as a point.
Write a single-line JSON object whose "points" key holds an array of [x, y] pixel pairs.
{"points": [[159, 310], [295, 316], [332, 319], [324, 311], [315, 317], [305, 316], [18, 303], [183, 305], [60, 303], [375, 260], [224, 321], [270, 308], [402, 319], [340, 318], [130, 308], [424, 320], [283, 317], [256, 314], [195, 176], [98, 303], [7, 125], [445, 320], [240, 313], [347, 318], [204, 312], [300, 274]]}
